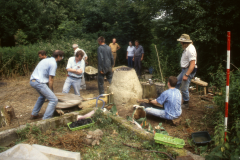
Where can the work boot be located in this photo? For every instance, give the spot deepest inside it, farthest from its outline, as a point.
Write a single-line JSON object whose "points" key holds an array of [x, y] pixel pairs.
{"points": [[35, 117], [185, 105]]}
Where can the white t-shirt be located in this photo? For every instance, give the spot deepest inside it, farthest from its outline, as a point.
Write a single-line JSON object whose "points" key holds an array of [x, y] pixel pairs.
{"points": [[78, 49], [189, 54], [130, 51]]}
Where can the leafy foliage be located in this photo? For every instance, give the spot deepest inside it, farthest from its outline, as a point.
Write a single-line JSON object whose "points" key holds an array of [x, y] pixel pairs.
{"points": [[229, 149], [21, 60], [207, 23]]}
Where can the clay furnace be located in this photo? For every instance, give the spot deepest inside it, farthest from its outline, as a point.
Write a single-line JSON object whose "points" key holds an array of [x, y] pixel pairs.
{"points": [[125, 86]]}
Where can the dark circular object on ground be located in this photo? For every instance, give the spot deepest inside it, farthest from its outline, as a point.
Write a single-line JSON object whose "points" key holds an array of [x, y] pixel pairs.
{"points": [[124, 69], [80, 122]]}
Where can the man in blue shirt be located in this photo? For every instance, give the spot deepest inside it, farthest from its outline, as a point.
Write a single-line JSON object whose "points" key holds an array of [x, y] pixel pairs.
{"points": [[171, 99], [75, 68], [43, 74], [105, 63], [138, 57]]}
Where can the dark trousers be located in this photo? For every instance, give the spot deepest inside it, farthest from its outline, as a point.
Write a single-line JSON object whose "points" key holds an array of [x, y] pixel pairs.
{"points": [[130, 62], [137, 65], [101, 80]]}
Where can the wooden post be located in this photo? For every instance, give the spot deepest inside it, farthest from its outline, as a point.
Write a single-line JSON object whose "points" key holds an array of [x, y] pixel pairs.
{"points": [[159, 63], [205, 90]]}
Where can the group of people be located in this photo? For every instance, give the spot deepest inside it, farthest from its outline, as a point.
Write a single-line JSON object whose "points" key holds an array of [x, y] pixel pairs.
{"points": [[134, 54], [42, 77]]}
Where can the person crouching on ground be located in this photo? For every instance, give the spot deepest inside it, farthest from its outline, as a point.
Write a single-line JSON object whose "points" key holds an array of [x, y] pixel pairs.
{"points": [[43, 74], [105, 63], [171, 99], [75, 68]]}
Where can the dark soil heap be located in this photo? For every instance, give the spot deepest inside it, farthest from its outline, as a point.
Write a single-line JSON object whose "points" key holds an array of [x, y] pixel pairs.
{"points": [[80, 122]]}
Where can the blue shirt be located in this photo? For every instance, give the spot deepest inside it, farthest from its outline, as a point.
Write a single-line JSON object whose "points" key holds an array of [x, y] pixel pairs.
{"points": [[45, 68], [138, 51], [72, 64], [171, 99]]}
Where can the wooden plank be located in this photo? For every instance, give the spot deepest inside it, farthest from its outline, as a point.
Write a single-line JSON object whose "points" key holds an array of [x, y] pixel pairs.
{"points": [[201, 83]]}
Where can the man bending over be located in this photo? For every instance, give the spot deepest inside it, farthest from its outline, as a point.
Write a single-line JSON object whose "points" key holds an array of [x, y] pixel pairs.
{"points": [[43, 74], [171, 99]]}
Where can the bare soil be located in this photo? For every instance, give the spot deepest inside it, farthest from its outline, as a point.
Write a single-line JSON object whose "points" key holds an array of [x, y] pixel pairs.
{"points": [[22, 97]]}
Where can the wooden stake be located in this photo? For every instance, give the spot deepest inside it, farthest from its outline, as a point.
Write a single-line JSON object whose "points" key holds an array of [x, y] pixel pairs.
{"points": [[159, 63]]}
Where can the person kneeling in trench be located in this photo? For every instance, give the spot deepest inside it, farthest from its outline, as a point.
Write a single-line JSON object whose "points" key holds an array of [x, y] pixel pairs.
{"points": [[171, 99]]}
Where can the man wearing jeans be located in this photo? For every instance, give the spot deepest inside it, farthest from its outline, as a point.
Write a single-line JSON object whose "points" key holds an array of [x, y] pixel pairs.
{"points": [[138, 57], [171, 99], [85, 57], [75, 68], [43, 74], [189, 67], [105, 63]]}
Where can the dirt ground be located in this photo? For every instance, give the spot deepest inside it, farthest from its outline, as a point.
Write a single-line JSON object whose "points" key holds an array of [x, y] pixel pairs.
{"points": [[22, 97]]}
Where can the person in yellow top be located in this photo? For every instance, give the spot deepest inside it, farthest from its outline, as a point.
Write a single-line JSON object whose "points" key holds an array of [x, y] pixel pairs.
{"points": [[114, 47]]}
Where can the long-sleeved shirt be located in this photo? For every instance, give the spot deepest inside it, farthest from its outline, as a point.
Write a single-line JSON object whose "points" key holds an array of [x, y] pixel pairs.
{"points": [[105, 58], [171, 99]]}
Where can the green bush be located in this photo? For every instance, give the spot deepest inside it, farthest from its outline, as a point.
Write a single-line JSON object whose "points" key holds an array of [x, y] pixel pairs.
{"points": [[22, 60], [169, 60], [231, 148]]}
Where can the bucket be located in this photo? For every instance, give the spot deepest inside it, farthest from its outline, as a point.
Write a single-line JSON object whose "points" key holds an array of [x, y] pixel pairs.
{"points": [[160, 87], [148, 76]]}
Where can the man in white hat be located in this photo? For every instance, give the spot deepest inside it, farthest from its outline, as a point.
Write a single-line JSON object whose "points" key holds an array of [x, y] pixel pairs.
{"points": [[85, 57], [189, 67]]}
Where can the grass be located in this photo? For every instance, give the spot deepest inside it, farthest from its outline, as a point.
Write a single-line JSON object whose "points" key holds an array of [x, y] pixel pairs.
{"points": [[111, 146]]}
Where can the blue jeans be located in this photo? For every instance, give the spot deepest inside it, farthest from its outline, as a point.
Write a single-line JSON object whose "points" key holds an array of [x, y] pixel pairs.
{"points": [[159, 113], [45, 92], [184, 85], [75, 82], [130, 61]]}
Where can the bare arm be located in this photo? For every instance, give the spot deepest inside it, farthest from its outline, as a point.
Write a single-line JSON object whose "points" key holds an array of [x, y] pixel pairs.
{"points": [[86, 58], [127, 55], [79, 71], [50, 83], [191, 67]]}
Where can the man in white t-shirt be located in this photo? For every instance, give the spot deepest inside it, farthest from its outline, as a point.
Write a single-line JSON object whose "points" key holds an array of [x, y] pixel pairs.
{"points": [[130, 54], [85, 57], [189, 67]]}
